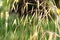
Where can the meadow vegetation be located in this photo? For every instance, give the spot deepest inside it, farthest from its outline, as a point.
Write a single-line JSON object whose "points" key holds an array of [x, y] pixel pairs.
{"points": [[29, 27]]}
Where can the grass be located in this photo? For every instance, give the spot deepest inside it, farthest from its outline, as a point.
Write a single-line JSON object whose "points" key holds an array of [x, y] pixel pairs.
{"points": [[29, 27]]}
